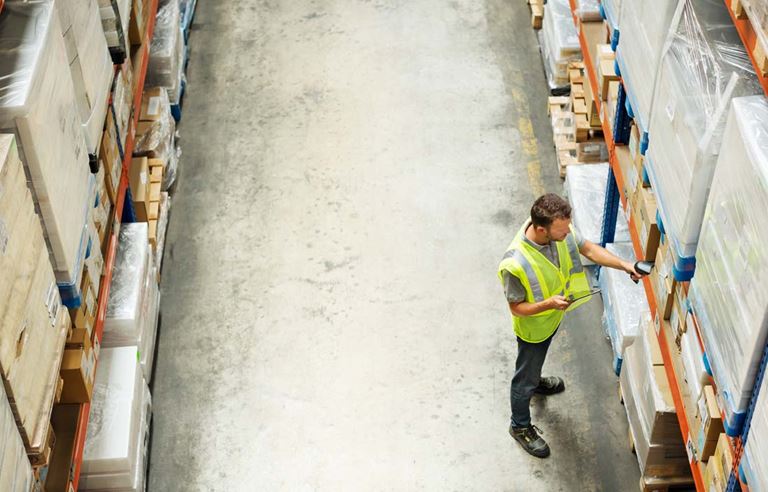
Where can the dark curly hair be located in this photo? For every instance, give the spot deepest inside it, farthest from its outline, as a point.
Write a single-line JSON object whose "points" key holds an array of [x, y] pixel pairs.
{"points": [[549, 207]]}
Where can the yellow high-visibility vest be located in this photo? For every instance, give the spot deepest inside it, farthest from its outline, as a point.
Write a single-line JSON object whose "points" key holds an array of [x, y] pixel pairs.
{"points": [[542, 280]]}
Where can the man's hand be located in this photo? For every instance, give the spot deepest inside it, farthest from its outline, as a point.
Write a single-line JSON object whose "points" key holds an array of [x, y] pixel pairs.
{"points": [[558, 302], [630, 269]]}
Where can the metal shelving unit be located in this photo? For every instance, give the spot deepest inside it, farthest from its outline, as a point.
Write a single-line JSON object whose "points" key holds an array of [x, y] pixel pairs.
{"points": [[615, 198], [111, 250]]}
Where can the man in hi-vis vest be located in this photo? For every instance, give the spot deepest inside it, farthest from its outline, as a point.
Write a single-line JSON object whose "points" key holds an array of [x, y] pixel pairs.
{"points": [[543, 278]]}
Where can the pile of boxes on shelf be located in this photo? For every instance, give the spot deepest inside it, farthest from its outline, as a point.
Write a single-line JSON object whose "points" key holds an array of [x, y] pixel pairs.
{"points": [[66, 122], [691, 126]]}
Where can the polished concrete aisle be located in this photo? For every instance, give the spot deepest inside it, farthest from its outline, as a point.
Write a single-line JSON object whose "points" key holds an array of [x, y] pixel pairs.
{"points": [[331, 317]]}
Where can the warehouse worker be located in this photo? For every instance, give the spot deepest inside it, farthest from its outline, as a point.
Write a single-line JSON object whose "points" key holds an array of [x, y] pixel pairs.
{"points": [[543, 278]]}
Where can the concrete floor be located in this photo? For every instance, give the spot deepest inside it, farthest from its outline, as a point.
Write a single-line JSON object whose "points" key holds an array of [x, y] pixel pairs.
{"points": [[352, 173]]}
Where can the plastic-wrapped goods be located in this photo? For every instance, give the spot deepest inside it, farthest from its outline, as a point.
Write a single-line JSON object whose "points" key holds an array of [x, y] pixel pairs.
{"points": [[150, 314], [162, 228], [585, 186], [166, 55], [727, 292], [123, 323], [625, 304], [704, 67], [15, 470], [89, 63], [644, 26], [115, 445], [756, 448], [612, 10], [33, 324], [650, 408], [559, 43], [695, 372], [37, 103], [157, 140], [588, 10], [115, 23]]}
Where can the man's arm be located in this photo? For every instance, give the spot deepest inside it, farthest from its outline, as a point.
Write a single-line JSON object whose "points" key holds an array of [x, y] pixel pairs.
{"points": [[523, 309], [603, 257]]}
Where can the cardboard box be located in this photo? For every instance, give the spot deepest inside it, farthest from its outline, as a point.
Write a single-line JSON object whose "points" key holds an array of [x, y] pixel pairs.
{"points": [[592, 150], [77, 370], [606, 74], [662, 281], [138, 24], [152, 104], [723, 455], [647, 228], [708, 423], [593, 114], [139, 181], [109, 154], [714, 481]]}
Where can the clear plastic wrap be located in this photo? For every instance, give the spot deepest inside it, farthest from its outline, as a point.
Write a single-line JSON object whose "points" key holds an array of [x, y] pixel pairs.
{"points": [[727, 292], [559, 43], [166, 54], [756, 448], [15, 470], [123, 323], [624, 301], [612, 9], [703, 68], [585, 186], [158, 141], [645, 26], [588, 10], [89, 63], [119, 407], [37, 103], [149, 318], [162, 228], [696, 376]]}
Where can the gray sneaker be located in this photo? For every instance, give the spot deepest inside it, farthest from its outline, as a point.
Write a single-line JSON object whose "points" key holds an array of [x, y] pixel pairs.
{"points": [[530, 440]]}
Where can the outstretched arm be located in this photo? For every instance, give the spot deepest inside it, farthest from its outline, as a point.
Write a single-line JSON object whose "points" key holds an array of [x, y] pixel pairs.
{"points": [[603, 257], [523, 309]]}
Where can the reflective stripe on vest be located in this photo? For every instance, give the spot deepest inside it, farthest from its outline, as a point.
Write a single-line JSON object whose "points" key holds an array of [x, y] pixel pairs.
{"points": [[542, 280]]}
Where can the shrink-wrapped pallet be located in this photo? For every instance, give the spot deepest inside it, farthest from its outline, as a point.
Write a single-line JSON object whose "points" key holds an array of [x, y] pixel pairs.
{"points": [[15, 469], [703, 68], [166, 55], [756, 447], [624, 302], [37, 103], [644, 29], [115, 446], [89, 63], [33, 323], [559, 43], [585, 186], [727, 292], [612, 11]]}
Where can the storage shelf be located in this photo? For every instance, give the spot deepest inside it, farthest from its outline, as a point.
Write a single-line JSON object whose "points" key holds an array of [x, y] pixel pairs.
{"points": [[664, 334], [109, 259], [749, 38]]}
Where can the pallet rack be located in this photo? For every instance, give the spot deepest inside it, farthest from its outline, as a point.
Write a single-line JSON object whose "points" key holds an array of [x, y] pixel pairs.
{"points": [[80, 413], [616, 198]]}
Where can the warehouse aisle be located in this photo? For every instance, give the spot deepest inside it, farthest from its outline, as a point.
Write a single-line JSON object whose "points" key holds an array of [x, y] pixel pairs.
{"points": [[352, 174]]}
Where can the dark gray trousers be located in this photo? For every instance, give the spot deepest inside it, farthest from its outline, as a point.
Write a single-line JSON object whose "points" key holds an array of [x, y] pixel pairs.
{"points": [[530, 359]]}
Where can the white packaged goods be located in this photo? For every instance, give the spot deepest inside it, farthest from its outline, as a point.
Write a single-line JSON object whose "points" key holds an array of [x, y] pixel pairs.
{"points": [[89, 63], [644, 28], [696, 376], [115, 23], [37, 103], [585, 187], [33, 324], [123, 323], [704, 67], [117, 427], [756, 448], [588, 10], [612, 9], [150, 312], [727, 292], [559, 42], [625, 303], [15, 470], [650, 408], [166, 55]]}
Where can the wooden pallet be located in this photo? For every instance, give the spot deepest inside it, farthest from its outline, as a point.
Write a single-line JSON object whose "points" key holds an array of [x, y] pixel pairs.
{"points": [[760, 51], [588, 122], [537, 13]]}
